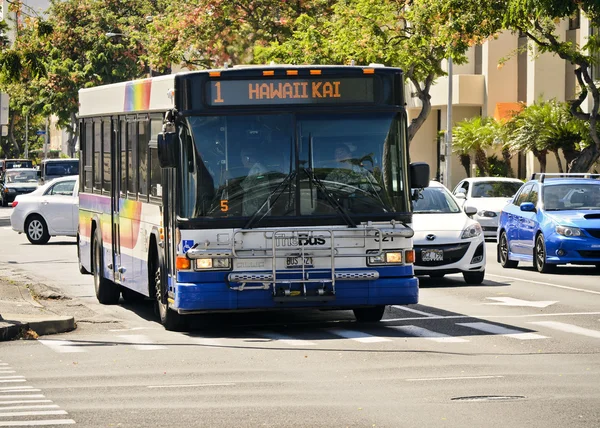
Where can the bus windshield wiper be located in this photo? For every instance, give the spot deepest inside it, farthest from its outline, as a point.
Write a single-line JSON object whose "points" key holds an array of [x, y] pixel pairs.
{"points": [[276, 193]]}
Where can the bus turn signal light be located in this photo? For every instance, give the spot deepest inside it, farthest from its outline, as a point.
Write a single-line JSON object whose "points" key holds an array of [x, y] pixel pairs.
{"points": [[409, 256], [183, 263]]}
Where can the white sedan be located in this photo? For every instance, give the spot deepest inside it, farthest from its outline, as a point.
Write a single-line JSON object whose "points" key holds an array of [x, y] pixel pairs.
{"points": [[446, 239], [50, 210]]}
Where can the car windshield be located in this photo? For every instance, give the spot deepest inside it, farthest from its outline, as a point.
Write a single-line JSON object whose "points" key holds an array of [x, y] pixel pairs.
{"points": [[293, 165], [558, 197], [435, 200], [21, 176], [495, 189]]}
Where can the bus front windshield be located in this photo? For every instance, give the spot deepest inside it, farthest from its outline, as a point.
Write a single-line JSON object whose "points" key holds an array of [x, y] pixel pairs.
{"points": [[286, 165]]}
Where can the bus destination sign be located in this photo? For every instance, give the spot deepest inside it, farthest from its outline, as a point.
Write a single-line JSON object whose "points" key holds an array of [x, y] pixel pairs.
{"points": [[288, 91]]}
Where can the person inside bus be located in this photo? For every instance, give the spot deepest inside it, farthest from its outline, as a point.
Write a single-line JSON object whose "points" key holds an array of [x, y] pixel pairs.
{"points": [[256, 183]]}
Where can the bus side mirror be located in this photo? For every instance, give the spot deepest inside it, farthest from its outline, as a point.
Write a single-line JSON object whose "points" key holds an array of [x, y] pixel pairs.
{"points": [[167, 150], [419, 175]]}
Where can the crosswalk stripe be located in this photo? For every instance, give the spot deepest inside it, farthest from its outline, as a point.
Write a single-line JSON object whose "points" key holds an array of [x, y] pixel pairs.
{"points": [[25, 401], [16, 387], [36, 423], [284, 338], [427, 334], [35, 406], [503, 331], [34, 413], [358, 336], [62, 346], [568, 328], [141, 342]]}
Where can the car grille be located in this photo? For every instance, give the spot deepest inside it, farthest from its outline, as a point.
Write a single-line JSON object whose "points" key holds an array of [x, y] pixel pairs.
{"points": [[452, 254], [594, 232], [22, 190], [489, 228], [589, 254]]}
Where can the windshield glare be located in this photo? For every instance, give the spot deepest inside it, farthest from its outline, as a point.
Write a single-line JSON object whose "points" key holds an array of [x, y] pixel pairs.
{"points": [[21, 176], [495, 189], [435, 200], [292, 165], [571, 197]]}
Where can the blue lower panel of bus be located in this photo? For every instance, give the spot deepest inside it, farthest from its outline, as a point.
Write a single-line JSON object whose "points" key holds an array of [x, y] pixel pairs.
{"points": [[395, 286]]}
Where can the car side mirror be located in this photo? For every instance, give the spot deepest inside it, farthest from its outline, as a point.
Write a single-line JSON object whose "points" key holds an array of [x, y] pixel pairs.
{"points": [[461, 195], [527, 207], [470, 210]]}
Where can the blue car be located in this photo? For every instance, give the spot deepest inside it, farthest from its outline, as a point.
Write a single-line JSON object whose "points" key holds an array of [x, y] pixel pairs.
{"points": [[552, 220]]}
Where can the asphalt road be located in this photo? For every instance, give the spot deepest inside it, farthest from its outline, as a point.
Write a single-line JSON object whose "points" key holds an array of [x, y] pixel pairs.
{"points": [[520, 350]]}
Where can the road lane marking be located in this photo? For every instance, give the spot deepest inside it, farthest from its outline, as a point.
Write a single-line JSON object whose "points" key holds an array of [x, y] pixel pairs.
{"points": [[428, 334], [414, 311], [509, 301], [23, 396], [544, 283], [568, 328], [62, 346], [192, 385], [207, 341], [36, 423], [16, 387], [284, 338], [358, 336], [425, 379], [502, 331], [450, 317], [141, 342], [34, 413], [35, 406], [25, 401]]}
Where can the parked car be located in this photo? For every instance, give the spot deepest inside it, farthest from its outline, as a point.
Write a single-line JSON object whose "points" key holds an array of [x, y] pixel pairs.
{"points": [[51, 210], [488, 195], [17, 181], [54, 168], [553, 220], [446, 239]]}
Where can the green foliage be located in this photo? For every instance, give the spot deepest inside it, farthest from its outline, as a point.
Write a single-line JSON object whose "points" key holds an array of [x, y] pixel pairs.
{"points": [[497, 167]]}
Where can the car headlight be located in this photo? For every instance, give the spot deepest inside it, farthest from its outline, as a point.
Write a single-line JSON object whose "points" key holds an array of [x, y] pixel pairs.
{"points": [[471, 231], [568, 231], [486, 213]]}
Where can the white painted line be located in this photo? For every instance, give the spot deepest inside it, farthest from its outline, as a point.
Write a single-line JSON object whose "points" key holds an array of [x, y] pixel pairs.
{"points": [[3, 364], [451, 317], [569, 328], [11, 377], [424, 379], [284, 338], [16, 387], [509, 301], [414, 311], [12, 380], [428, 334], [24, 396], [62, 346], [25, 401], [36, 423], [197, 385], [502, 331], [35, 406], [141, 342], [34, 413], [358, 336], [544, 283]]}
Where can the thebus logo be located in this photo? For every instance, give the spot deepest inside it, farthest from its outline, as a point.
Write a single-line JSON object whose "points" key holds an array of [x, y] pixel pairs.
{"points": [[295, 241]]}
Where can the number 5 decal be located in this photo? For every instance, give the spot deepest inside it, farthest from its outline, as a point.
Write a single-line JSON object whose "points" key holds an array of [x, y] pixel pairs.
{"points": [[224, 205]]}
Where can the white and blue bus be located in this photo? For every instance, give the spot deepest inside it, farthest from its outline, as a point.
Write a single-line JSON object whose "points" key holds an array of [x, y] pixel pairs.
{"points": [[250, 188]]}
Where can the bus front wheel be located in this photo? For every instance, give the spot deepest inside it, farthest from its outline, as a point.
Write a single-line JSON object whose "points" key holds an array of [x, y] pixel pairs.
{"points": [[170, 319], [369, 314]]}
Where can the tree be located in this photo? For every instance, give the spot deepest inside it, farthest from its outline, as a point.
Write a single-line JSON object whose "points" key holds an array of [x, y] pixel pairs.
{"points": [[416, 35], [537, 19], [475, 135]]}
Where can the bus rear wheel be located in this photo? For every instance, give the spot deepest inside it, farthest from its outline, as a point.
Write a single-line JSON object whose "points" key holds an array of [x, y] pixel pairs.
{"points": [[369, 314], [169, 318]]}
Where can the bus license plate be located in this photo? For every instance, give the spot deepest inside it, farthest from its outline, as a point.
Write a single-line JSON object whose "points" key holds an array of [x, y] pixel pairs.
{"points": [[432, 255], [293, 262]]}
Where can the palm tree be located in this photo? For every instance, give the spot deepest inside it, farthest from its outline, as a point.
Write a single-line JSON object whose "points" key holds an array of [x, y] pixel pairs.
{"points": [[474, 136]]}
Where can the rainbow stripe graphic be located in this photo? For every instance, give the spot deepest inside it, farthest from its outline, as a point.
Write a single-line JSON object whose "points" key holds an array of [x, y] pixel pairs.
{"points": [[137, 95]]}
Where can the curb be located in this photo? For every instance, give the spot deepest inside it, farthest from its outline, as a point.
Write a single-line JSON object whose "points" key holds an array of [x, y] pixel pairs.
{"points": [[10, 330]]}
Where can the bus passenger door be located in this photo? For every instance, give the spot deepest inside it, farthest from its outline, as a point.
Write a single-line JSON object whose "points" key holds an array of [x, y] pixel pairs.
{"points": [[115, 168]]}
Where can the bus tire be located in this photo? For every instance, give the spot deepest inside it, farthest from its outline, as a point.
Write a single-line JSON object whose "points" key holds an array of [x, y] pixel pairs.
{"points": [[107, 292], [369, 314], [169, 318]]}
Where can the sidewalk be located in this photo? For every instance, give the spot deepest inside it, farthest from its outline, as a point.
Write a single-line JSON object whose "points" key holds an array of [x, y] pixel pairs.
{"points": [[25, 311]]}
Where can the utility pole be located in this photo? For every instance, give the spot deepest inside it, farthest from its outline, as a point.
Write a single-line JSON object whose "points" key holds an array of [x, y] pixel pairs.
{"points": [[27, 136], [448, 154], [46, 141]]}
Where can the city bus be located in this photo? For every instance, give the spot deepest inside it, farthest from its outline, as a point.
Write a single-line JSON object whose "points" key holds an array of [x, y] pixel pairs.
{"points": [[249, 188]]}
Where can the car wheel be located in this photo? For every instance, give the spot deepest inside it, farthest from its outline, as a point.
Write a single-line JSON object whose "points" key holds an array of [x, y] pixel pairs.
{"points": [[505, 262], [107, 292], [36, 230], [474, 277], [539, 256], [169, 318], [369, 314]]}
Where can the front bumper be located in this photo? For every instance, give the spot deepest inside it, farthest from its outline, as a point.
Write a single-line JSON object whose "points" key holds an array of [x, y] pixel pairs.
{"points": [[488, 224], [460, 256], [576, 250]]}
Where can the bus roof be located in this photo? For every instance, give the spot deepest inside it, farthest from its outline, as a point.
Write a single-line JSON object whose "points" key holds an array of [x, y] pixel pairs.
{"points": [[158, 93]]}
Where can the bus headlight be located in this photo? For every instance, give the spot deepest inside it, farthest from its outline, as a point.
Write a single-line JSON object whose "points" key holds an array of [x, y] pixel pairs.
{"points": [[209, 263], [385, 258]]}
